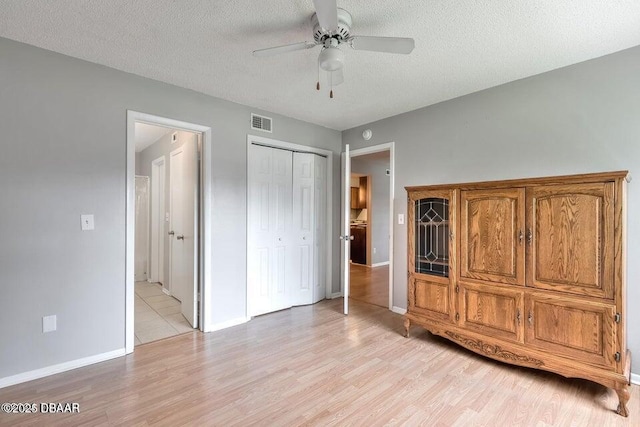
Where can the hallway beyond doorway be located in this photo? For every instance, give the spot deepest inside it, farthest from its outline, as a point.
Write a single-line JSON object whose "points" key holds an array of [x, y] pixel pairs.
{"points": [[158, 315], [370, 284]]}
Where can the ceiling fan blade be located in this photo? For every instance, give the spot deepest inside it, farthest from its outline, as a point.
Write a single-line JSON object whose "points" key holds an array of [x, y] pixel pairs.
{"points": [[383, 44], [283, 49], [327, 11]]}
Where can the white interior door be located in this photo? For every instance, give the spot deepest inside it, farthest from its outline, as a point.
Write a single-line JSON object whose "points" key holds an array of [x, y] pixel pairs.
{"points": [[158, 175], [346, 225], [142, 228], [269, 245], [183, 195]]}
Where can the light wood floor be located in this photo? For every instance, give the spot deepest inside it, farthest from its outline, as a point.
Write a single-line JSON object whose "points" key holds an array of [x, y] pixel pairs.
{"points": [[313, 366], [370, 284]]}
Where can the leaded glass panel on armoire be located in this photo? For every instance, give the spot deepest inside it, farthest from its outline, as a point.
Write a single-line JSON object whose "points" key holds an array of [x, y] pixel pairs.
{"points": [[431, 260], [432, 236]]}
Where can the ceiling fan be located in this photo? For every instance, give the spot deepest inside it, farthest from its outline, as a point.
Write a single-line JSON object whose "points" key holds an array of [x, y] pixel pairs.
{"points": [[332, 29]]}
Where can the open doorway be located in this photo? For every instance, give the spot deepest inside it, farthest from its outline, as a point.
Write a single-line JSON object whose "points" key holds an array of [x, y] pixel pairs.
{"points": [[370, 227], [166, 238], [167, 207]]}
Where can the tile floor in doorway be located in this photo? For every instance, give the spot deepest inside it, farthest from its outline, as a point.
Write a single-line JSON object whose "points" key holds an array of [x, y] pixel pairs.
{"points": [[157, 315]]}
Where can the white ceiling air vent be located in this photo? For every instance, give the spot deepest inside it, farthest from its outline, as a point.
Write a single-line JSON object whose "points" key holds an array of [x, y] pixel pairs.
{"points": [[261, 123]]}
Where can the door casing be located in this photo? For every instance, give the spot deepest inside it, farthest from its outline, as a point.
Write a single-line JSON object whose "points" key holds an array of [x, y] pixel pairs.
{"points": [[389, 146], [205, 213]]}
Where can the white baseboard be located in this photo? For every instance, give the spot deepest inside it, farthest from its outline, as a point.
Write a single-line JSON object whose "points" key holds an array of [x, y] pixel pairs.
{"points": [[227, 324], [635, 378], [379, 264], [61, 367], [336, 295], [399, 310]]}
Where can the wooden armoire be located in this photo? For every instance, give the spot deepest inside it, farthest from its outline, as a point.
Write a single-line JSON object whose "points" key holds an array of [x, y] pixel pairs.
{"points": [[529, 272]]}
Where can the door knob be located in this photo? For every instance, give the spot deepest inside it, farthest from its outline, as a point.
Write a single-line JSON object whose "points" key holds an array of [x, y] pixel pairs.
{"points": [[171, 233], [180, 237]]}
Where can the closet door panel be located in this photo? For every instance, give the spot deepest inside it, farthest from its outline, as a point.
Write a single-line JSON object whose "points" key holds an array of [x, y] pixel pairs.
{"points": [[320, 208], [270, 241], [281, 286], [303, 227]]}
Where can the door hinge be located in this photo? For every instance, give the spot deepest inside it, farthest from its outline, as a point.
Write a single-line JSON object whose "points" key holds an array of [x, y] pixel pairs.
{"points": [[617, 317], [617, 356], [198, 296], [457, 316]]}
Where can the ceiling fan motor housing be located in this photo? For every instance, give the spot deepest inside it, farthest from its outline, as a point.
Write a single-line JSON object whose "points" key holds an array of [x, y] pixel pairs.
{"points": [[342, 33]]}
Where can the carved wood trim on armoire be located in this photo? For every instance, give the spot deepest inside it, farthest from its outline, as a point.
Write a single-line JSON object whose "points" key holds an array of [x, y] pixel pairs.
{"points": [[529, 272]]}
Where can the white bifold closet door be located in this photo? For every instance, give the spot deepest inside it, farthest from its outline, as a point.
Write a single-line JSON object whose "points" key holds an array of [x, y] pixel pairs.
{"points": [[287, 201]]}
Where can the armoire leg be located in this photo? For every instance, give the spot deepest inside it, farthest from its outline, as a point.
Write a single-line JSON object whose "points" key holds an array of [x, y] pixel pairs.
{"points": [[623, 397], [407, 325]]}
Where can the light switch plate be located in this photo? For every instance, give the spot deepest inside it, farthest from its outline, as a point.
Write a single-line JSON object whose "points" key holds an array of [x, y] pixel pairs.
{"points": [[400, 219], [87, 222], [49, 324]]}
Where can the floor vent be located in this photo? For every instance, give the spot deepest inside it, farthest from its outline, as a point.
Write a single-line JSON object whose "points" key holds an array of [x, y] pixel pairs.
{"points": [[261, 123]]}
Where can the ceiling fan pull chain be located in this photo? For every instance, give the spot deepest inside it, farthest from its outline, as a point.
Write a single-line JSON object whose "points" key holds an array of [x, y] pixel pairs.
{"points": [[331, 84]]}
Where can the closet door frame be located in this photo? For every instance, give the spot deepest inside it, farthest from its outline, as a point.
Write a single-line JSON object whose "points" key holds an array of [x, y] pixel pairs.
{"points": [[329, 242]]}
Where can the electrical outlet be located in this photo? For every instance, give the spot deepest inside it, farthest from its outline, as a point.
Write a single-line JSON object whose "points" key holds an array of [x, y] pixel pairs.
{"points": [[49, 323], [375, 250], [400, 219]]}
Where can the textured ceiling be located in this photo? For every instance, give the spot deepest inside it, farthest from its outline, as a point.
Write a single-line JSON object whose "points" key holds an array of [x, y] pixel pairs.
{"points": [[205, 45]]}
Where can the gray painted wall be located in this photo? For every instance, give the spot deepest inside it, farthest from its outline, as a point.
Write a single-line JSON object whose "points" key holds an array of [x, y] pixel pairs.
{"points": [[582, 118], [161, 148], [63, 143], [375, 166]]}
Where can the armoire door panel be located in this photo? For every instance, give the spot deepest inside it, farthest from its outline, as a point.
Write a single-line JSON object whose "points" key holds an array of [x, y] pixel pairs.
{"points": [[491, 310], [579, 329], [492, 235], [430, 298], [570, 248]]}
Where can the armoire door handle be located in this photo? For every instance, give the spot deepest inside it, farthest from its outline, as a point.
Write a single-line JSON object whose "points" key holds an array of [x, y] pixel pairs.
{"points": [[530, 318], [171, 233], [180, 237], [529, 236], [520, 236]]}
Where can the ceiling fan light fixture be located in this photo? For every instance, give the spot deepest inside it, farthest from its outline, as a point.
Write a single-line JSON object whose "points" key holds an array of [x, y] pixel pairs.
{"points": [[331, 59]]}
